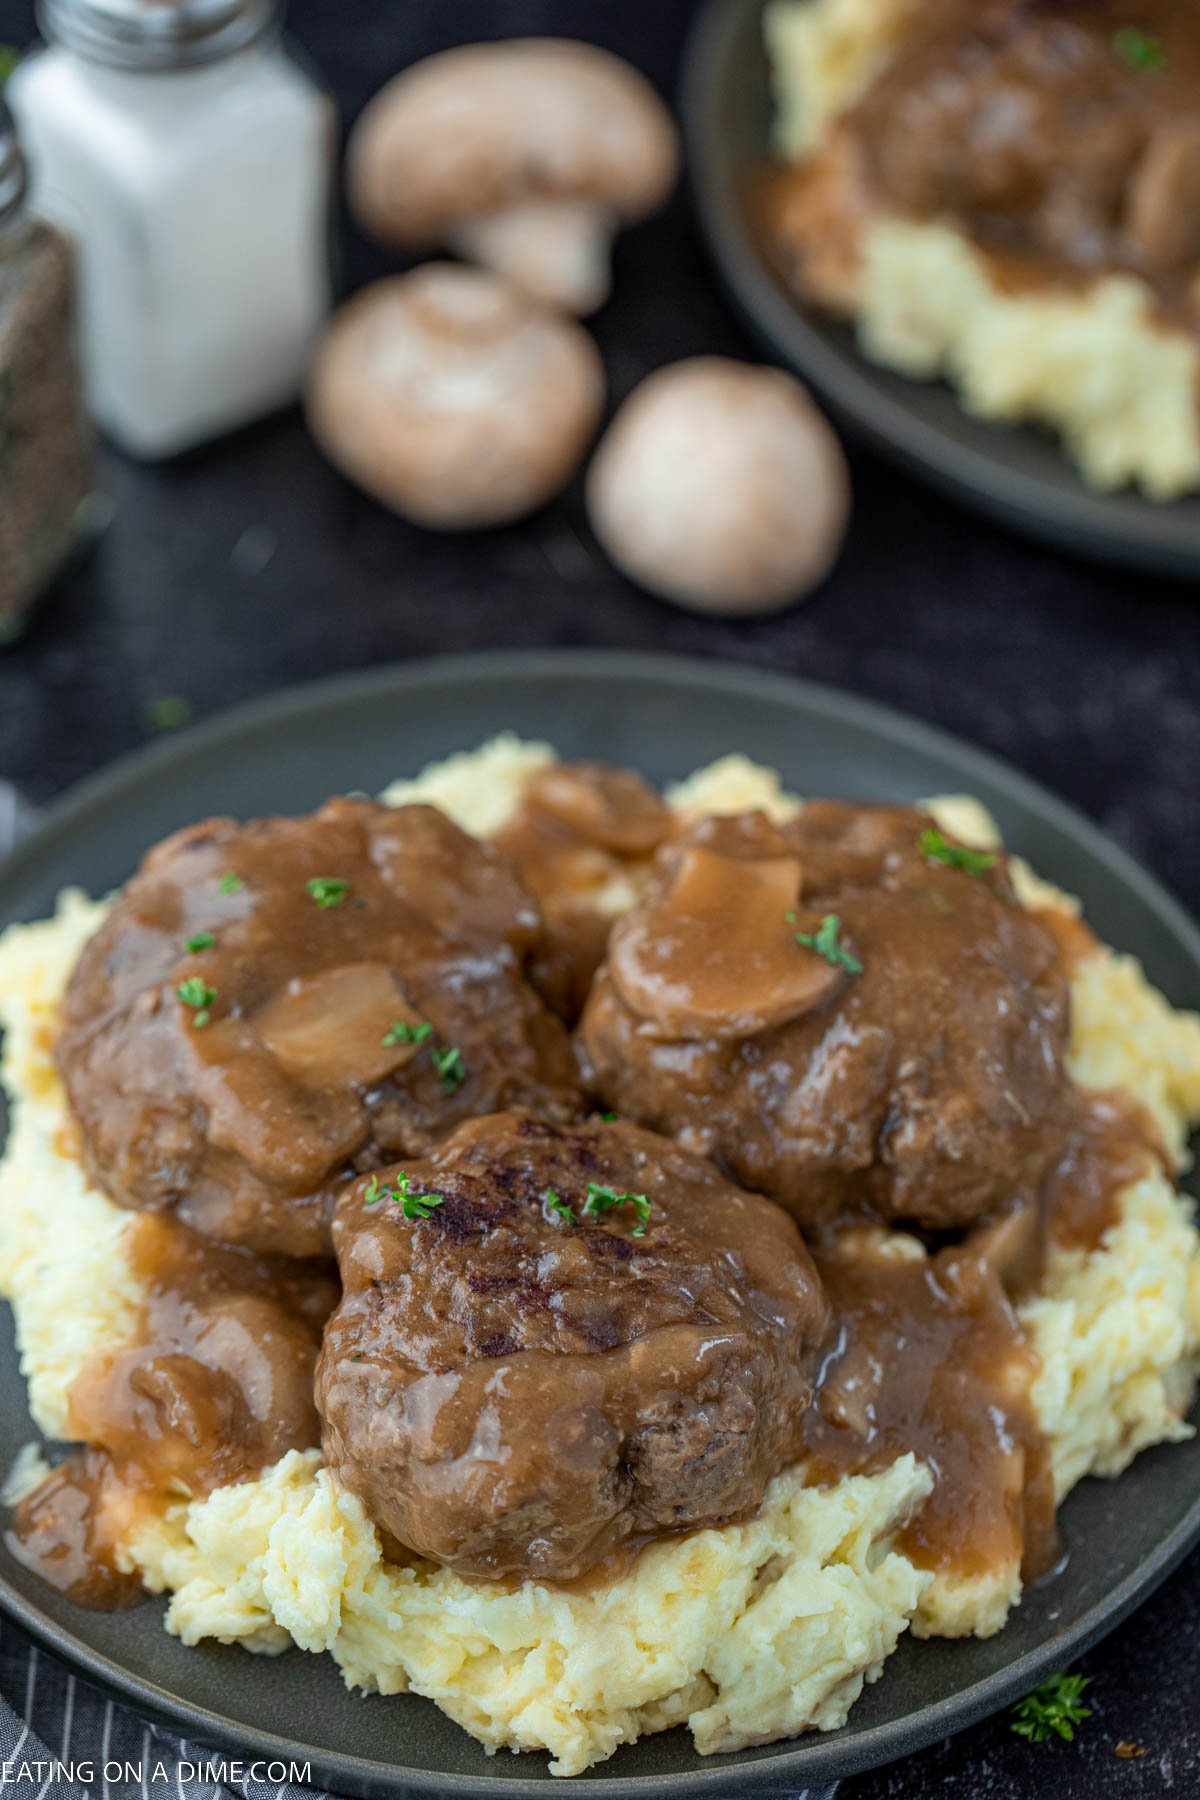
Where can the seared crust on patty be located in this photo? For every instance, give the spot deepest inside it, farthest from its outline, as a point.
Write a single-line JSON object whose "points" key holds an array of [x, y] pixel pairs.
{"points": [[511, 1389]]}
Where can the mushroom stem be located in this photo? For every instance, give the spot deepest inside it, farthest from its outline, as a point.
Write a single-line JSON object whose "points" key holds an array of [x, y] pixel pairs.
{"points": [[556, 250]]}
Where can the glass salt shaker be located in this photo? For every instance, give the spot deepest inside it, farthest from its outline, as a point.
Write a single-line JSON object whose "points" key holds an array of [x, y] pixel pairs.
{"points": [[45, 441], [191, 157]]}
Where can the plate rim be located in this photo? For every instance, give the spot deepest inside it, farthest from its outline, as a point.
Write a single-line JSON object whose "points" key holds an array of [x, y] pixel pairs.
{"points": [[824, 1756], [1154, 539]]}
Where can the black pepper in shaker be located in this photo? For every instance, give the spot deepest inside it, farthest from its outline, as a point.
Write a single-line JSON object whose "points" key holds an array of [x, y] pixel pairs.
{"points": [[46, 471]]}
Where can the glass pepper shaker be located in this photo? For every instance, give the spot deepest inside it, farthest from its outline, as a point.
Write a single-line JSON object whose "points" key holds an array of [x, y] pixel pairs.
{"points": [[45, 442]]}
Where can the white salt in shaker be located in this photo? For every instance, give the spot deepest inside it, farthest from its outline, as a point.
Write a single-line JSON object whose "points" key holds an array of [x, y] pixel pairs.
{"points": [[190, 157]]}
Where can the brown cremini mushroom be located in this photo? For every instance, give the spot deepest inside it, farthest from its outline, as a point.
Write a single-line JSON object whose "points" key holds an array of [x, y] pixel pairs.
{"points": [[720, 486], [453, 397], [525, 155]]}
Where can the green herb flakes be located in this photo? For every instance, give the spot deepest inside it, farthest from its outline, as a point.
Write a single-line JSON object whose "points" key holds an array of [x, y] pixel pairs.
{"points": [[450, 1066], [413, 1206], [554, 1206], [169, 713], [601, 1199], [826, 942], [1140, 50], [1053, 1709], [327, 890], [404, 1033], [934, 847], [196, 993]]}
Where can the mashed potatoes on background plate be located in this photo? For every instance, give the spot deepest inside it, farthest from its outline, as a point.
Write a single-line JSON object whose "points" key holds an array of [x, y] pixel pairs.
{"points": [[745, 1633], [1094, 362]]}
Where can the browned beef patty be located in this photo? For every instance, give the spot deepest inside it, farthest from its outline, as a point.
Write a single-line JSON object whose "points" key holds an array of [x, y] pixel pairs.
{"points": [[272, 1008], [522, 1381], [842, 1020]]}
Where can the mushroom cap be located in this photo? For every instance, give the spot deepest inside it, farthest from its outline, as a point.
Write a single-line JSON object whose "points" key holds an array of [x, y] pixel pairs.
{"points": [[475, 129], [453, 397], [720, 486]]}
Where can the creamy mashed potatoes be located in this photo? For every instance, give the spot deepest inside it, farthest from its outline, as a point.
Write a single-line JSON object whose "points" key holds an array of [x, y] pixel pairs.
{"points": [[1092, 363], [744, 1634]]}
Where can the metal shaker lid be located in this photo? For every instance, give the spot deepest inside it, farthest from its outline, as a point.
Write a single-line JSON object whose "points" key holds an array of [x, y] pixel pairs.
{"points": [[156, 34]]}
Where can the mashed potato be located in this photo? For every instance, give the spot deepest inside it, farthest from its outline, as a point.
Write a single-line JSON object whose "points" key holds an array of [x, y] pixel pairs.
{"points": [[743, 1634], [1094, 365]]}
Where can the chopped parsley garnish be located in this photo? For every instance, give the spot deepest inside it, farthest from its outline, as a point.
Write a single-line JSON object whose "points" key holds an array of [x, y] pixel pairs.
{"points": [[195, 992], [413, 1206], [230, 883], [404, 1033], [825, 941], [328, 890], [1140, 50], [602, 1199], [610, 1118], [934, 847], [1053, 1709], [170, 713], [450, 1066], [554, 1203], [203, 940]]}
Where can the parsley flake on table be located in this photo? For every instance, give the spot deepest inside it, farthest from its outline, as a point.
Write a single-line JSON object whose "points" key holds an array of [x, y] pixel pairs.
{"points": [[413, 1206], [1053, 1709], [826, 942], [404, 1033], [934, 847], [1140, 49], [327, 890], [196, 993], [601, 1199], [169, 713]]}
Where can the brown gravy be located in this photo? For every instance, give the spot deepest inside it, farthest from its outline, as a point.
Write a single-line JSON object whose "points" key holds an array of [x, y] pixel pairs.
{"points": [[929, 1356], [216, 1385], [578, 828], [1062, 136], [925, 1354]]}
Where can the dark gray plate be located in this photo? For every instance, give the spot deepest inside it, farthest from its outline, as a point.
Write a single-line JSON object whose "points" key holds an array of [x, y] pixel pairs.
{"points": [[1014, 474], [665, 716]]}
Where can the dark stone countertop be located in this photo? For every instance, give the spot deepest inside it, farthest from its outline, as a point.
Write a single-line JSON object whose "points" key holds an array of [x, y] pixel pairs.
{"points": [[250, 565]]}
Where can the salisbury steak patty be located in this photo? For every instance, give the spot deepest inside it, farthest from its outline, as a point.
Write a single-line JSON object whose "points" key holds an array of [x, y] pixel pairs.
{"points": [[526, 1378], [1060, 132], [849, 1014], [269, 1009]]}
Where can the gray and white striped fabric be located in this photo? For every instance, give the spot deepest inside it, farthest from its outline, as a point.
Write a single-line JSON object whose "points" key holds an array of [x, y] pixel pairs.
{"points": [[60, 1739]]}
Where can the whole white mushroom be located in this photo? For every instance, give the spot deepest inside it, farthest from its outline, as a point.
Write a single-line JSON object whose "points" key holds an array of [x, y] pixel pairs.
{"points": [[720, 486], [453, 397], [525, 155]]}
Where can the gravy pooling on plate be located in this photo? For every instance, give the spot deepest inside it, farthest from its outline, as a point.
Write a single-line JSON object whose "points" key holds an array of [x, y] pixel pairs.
{"points": [[849, 1013]]}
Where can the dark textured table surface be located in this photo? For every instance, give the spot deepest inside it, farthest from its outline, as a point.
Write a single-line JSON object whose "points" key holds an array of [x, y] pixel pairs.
{"points": [[250, 566]]}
